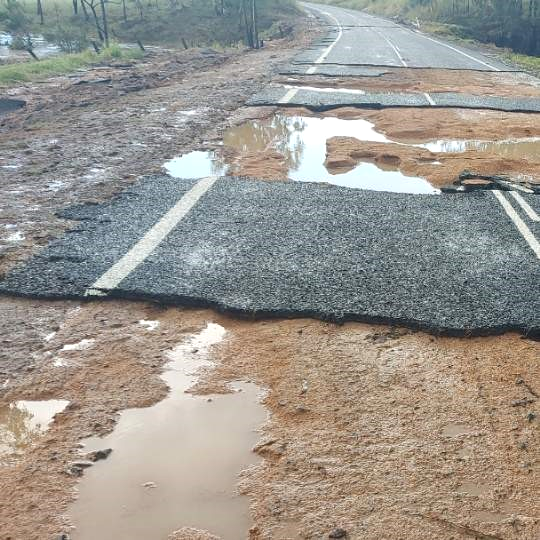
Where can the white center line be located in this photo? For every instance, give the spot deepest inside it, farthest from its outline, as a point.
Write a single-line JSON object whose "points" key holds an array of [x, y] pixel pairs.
{"points": [[328, 50], [526, 208], [138, 253], [289, 94], [430, 99], [519, 223], [395, 49], [322, 89]]}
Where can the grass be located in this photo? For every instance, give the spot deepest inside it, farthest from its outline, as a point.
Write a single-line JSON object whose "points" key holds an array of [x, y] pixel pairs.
{"points": [[528, 63], [451, 31], [58, 65]]}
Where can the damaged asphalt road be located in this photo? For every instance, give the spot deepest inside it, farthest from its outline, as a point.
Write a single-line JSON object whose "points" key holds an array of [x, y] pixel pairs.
{"points": [[453, 264], [327, 98]]}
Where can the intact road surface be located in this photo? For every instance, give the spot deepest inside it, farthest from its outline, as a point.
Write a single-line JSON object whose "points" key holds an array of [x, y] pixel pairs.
{"points": [[357, 38]]}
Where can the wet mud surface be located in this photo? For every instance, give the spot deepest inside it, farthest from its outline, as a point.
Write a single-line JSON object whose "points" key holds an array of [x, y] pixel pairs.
{"points": [[376, 430]]}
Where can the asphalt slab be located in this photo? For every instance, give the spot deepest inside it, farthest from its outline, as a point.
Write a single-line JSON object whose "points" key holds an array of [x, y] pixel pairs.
{"points": [[327, 98], [452, 264]]}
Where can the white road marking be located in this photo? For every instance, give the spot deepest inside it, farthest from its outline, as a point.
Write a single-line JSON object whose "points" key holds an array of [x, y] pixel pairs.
{"points": [[323, 89], [429, 98], [526, 208], [138, 253], [328, 50], [395, 49], [511, 186], [457, 50], [519, 223], [289, 94]]}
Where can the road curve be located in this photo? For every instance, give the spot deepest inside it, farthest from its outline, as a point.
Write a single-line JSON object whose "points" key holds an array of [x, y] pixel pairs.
{"points": [[357, 38]]}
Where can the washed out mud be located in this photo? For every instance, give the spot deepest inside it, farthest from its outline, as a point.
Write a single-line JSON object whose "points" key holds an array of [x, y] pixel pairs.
{"points": [[429, 80], [440, 145], [372, 429], [174, 464]]}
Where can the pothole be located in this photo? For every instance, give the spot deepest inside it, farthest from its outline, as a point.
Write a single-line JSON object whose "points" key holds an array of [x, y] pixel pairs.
{"points": [[302, 141], [174, 464], [22, 423]]}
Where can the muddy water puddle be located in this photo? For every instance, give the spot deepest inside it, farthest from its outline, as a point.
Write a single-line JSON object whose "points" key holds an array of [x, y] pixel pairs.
{"points": [[174, 464], [22, 423], [301, 140], [197, 164]]}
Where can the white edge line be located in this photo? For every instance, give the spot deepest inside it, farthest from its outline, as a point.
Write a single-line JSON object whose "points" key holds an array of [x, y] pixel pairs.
{"points": [[518, 222], [153, 237], [458, 51], [526, 208], [324, 90]]}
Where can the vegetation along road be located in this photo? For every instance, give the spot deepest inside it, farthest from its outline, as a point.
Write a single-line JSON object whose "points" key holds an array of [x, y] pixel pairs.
{"points": [[269, 271]]}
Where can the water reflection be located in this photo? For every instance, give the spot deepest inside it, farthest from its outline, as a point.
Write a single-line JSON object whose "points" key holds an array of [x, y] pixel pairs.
{"points": [[513, 148], [196, 164], [302, 141], [23, 422]]}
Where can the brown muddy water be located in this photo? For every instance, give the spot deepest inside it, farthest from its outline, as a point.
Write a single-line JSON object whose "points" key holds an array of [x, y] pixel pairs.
{"points": [[22, 423], [302, 141], [174, 464]]}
